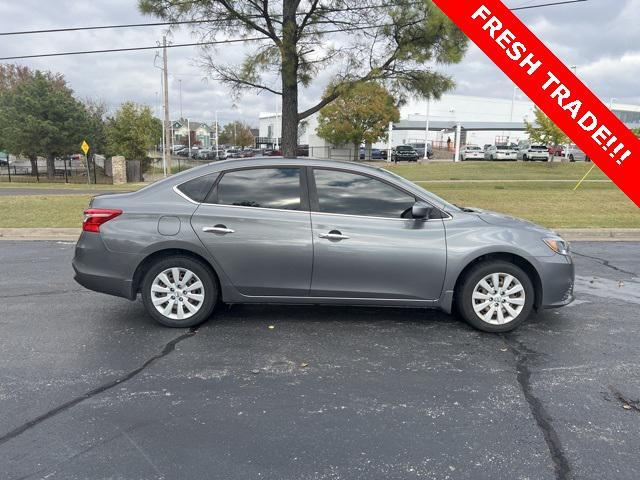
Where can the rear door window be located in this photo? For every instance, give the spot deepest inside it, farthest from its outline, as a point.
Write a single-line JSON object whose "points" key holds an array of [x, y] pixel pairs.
{"points": [[261, 188]]}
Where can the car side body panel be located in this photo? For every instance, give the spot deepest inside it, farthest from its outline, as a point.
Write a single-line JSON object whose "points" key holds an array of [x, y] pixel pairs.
{"points": [[108, 261]]}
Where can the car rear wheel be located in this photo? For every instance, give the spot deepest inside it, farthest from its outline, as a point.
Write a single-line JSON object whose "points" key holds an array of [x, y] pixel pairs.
{"points": [[495, 296], [179, 292]]}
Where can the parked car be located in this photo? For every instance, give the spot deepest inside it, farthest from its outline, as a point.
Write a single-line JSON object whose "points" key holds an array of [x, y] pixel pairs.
{"points": [[471, 152], [176, 148], [303, 150], [183, 152], [500, 152], [419, 148], [205, 154], [531, 151], [404, 153], [376, 154], [233, 153], [575, 154], [313, 232]]}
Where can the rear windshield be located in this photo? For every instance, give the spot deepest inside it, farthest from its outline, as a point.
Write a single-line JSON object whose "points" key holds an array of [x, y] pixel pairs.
{"points": [[473, 148], [504, 147]]}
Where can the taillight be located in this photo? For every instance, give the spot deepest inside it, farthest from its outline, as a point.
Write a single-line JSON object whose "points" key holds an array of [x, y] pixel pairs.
{"points": [[94, 217]]}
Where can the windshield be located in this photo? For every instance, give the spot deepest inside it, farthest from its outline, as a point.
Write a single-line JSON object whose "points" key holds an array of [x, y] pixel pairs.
{"points": [[404, 148], [436, 200]]}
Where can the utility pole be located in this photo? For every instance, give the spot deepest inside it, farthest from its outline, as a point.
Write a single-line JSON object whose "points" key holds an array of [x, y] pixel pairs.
{"points": [[189, 136], [165, 93]]}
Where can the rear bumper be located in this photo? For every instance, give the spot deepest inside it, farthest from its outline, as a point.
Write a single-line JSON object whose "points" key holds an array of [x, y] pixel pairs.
{"points": [[102, 270]]}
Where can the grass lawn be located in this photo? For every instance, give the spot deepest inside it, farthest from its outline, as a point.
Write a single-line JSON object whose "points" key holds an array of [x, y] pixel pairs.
{"points": [[495, 171], [549, 203]]}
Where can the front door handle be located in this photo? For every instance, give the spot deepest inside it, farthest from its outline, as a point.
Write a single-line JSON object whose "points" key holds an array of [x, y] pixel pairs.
{"points": [[218, 229], [334, 235]]}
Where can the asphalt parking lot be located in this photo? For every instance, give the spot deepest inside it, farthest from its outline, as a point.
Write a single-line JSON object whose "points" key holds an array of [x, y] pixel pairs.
{"points": [[90, 387]]}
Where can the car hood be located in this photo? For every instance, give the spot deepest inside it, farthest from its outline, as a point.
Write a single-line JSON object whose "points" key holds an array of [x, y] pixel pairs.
{"points": [[502, 220]]}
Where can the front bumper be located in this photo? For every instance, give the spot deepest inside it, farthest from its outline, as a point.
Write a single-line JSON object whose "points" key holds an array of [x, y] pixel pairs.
{"points": [[557, 275], [102, 270]]}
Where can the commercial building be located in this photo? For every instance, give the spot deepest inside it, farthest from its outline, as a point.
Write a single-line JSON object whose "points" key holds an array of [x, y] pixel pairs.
{"points": [[482, 120]]}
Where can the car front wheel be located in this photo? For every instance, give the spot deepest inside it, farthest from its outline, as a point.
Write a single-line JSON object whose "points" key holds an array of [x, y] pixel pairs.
{"points": [[495, 296], [179, 292]]}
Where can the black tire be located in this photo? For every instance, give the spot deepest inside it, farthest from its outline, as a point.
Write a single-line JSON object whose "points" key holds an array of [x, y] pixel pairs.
{"points": [[464, 300], [201, 270], [572, 158], [524, 158]]}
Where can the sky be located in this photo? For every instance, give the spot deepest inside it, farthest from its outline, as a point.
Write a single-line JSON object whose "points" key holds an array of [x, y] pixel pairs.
{"points": [[600, 37]]}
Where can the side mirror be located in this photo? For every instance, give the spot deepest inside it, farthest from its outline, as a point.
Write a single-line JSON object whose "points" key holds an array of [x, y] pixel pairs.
{"points": [[421, 210]]}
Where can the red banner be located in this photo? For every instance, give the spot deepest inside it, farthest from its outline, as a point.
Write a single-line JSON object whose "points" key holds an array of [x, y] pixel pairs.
{"points": [[552, 87]]}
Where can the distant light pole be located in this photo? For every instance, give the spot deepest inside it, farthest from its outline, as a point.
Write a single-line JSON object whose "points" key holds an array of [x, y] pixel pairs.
{"points": [[180, 83], [513, 103], [426, 131], [217, 147], [189, 136]]}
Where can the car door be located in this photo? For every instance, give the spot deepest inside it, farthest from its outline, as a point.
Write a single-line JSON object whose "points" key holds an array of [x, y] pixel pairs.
{"points": [[256, 224], [367, 245]]}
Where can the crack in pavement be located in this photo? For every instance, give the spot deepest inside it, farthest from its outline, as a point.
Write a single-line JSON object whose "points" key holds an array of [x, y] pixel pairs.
{"points": [[168, 348], [626, 403], [606, 263], [522, 353], [46, 294]]}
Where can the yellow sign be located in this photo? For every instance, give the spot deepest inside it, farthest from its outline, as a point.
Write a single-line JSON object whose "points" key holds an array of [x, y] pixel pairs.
{"points": [[84, 146]]}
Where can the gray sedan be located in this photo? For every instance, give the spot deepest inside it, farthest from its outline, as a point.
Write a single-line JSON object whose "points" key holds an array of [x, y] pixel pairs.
{"points": [[303, 231]]}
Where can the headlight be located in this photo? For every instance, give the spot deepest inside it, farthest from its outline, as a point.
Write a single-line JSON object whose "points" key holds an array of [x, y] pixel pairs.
{"points": [[557, 245]]}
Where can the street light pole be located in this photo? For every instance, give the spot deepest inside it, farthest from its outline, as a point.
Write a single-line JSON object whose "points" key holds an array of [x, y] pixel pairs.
{"points": [[426, 131], [217, 148], [180, 83], [189, 136]]}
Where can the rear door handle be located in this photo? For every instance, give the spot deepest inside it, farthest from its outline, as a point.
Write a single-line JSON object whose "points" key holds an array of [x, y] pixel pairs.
{"points": [[334, 235], [218, 229]]}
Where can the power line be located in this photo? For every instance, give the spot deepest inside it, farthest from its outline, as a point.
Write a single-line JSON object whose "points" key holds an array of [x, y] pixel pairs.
{"points": [[553, 4], [220, 42], [195, 22], [186, 22]]}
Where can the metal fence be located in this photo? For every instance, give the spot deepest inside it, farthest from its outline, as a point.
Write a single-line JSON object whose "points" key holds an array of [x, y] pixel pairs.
{"points": [[76, 169]]}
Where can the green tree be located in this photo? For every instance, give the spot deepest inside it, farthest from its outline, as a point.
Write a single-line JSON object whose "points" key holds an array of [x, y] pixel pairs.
{"points": [[237, 134], [545, 131], [40, 117], [133, 131], [398, 43], [94, 131], [361, 114]]}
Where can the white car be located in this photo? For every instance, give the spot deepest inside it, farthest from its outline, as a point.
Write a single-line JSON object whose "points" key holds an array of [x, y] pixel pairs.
{"points": [[530, 151], [500, 152], [575, 154], [471, 152]]}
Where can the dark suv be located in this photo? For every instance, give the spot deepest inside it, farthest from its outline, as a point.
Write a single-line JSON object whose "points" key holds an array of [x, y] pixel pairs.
{"points": [[404, 152]]}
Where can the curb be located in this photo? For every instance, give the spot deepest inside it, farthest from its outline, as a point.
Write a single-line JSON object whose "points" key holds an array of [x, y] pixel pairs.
{"points": [[570, 234], [61, 234]]}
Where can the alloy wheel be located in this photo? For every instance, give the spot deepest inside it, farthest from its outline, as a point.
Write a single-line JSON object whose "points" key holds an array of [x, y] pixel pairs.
{"points": [[498, 298]]}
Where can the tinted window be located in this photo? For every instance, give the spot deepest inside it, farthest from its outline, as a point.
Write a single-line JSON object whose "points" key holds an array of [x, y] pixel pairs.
{"points": [[198, 188], [353, 194], [405, 148], [262, 187]]}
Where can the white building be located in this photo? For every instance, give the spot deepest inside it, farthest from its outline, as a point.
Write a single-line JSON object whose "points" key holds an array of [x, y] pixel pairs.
{"points": [[485, 121]]}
